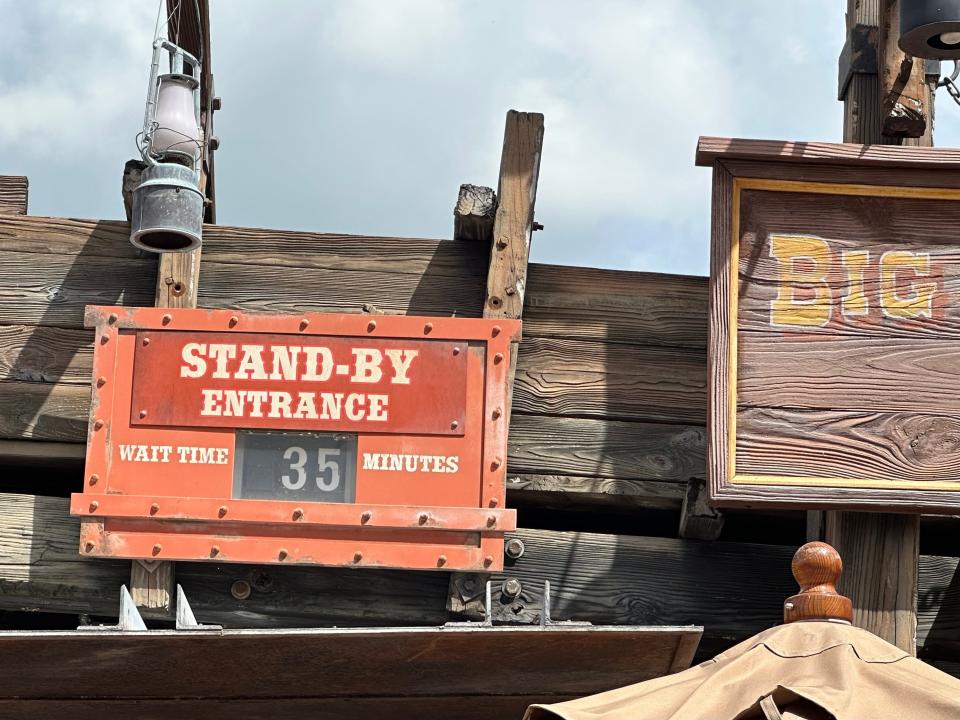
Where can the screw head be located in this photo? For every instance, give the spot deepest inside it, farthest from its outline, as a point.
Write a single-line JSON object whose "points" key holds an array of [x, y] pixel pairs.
{"points": [[456, 351], [88, 547], [154, 509], [423, 518], [101, 381], [494, 502], [298, 513], [104, 339], [496, 463], [488, 561], [214, 551], [357, 556], [233, 321], [441, 561], [240, 589], [371, 326], [94, 505], [94, 479], [495, 330], [166, 319], [498, 358], [282, 554], [491, 520], [143, 414], [304, 324], [98, 424], [496, 414], [454, 425], [222, 510], [145, 341], [428, 328], [365, 517], [112, 318], [157, 548]]}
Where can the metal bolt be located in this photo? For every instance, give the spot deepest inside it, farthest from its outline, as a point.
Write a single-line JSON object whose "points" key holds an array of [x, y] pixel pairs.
{"points": [[511, 588], [104, 339], [488, 561], [423, 518], [491, 520], [497, 412], [469, 583], [282, 554], [428, 328], [154, 509], [233, 321], [371, 326], [166, 319], [98, 424], [498, 358], [94, 479], [357, 556], [511, 291], [88, 547], [304, 324], [112, 318], [298, 513], [496, 463], [494, 502], [454, 425], [214, 551], [222, 511], [240, 589], [101, 381], [365, 517], [143, 414], [441, 561], [157, 548], [94, 505], [456, 351], [495, 330], [514, 548], [537, 226], [145, 341]]}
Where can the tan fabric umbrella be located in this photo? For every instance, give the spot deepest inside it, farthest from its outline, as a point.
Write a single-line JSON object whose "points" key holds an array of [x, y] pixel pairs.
{"points": [[806, 670]]}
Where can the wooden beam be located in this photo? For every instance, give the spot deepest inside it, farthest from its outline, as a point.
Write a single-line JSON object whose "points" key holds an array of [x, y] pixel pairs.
{"points": [[904, 96], [474, 214], [13, 195], [699, 520]]}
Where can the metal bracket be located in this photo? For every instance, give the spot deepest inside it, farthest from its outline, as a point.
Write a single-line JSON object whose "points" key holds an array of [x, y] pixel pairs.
{"points": [[506, 610], [129, 619], [185, 617]]}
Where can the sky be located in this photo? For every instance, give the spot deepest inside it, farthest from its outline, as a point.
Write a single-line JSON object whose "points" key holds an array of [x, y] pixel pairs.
{"points": [[365, 116]]}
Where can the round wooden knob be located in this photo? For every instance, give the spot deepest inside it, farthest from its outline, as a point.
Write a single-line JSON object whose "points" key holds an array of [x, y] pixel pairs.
{"points": [[817, 567]]}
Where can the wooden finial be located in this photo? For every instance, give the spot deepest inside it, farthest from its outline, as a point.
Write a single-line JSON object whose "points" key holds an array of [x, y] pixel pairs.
{"points": [[817, 567]]}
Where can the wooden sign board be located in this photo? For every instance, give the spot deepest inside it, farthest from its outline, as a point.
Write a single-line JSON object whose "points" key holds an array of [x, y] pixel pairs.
{"points": [[320, 439], [834, 371]]}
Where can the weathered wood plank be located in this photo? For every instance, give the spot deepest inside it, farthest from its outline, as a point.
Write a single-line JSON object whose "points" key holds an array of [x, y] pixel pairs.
{"points": [[544, 445], [617, 306], [607, 380], [875, 374], [571, 491], [39, 411], [474, 214], [13, 195], [827, 443], [30, 353]]}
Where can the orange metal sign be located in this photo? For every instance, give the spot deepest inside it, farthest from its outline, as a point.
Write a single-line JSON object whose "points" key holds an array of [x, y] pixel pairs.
{"points": [[325, 439]]}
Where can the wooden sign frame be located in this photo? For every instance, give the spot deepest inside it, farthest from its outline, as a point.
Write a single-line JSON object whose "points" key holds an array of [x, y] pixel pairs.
{"points": [[180, 500], [860, 180]]}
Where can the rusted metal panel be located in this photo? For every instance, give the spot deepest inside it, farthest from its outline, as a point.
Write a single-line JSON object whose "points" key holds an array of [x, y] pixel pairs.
{"points": [[416, 482]]}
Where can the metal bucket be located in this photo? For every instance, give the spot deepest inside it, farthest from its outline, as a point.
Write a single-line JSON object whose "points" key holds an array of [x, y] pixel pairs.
{"points": [[167, 209]]}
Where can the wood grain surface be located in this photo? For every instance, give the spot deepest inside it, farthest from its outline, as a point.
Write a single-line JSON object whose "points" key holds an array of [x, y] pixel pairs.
{"points": [[13, 195]]}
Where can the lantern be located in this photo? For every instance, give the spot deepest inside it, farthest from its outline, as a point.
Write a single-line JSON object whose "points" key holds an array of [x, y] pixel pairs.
{"points": [[167, 204], [930, 29]]}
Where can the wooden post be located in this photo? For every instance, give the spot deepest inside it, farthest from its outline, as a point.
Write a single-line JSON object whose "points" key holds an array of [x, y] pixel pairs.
{"points": [[513, 226], [474, 214], [152, 582], [881, 552]]}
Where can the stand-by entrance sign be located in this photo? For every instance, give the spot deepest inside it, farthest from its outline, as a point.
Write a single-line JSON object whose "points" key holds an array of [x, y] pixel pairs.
{"points": [[328, 439], [834, 361]]}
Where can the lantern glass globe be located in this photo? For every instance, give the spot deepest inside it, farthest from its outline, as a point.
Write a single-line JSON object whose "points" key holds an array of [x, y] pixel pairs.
{"points": [[950, 38]]}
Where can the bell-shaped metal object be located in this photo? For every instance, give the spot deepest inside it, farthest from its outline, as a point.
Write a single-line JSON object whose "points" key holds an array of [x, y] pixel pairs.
{"points": [[167, 209], [177, 131], [930, 28]]}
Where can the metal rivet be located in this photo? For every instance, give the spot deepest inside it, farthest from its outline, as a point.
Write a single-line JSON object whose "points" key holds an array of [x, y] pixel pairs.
{"points": [[357, 556], [423, 518], [498, 358], [298, 513], [94, 505], [495, 331], [240, 589], [491, 521], [104, 339], [365, 517], [428, 328], [304, 324], [456, 351], [145, 341], [101, 381], [494, 502], [88, 547], [214, 551], [112, 318], [442, 560], [497, 412], [166, 319], [371, 326], [98, 424], [496, 463], [454, 425], [282, 554], [488, 561], [157, 548], [94, 479], [234, 320], [143, 414], [222, 511], [154, 509]]}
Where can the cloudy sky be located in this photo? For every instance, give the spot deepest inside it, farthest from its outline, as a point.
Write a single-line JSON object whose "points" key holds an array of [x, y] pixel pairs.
{"points": [[364, 116]]}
